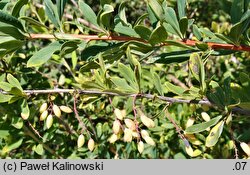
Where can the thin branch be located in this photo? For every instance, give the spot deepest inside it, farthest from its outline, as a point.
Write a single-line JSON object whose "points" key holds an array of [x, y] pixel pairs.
{"points": [[148, 96], [27, 131], [84, 128], [177, 81], [127, 38]]}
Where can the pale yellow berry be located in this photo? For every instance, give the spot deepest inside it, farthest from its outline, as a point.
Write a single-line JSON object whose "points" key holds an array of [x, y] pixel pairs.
{"points": [[135, 134], [245, 148], [116, 126], [130, 124], [190, 122], [149, 140], [66, 109], [43, 115], [127, 135], [120, 114], [147, 121], [91, 144], [80, 141], [56, 111], [113, 138], [49, 121], [43, 107], [205, 116], [144, 133], [140, 147]]}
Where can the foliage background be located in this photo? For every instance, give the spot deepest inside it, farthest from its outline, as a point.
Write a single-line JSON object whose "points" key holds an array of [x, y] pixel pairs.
{"points": [[79, 66]]}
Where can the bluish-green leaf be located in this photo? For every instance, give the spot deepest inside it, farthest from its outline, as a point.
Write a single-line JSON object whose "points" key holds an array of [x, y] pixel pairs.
{"points": [[158, 35], [105, 16], [60, 7], [183, 25], [52, 13], [170, 17], [197, 32], [16, 9], [237, 10], [88, 13], [156, 8], [128, 74], [6, 18], [143, 31], [181, 4], [119, 28], [157, 83], [123, 86], [43, 55], [32, 21], [10, 30], [202, 126], [174, 89]]}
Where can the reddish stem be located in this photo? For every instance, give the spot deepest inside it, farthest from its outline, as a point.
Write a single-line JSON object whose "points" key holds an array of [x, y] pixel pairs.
{"points": [[127, 38]]}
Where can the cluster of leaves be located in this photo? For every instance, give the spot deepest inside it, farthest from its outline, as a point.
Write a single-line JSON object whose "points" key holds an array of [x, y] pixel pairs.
{"points": [[146, 59]]}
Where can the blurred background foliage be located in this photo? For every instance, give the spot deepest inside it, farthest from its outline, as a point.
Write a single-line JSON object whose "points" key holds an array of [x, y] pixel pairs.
{"points": [[73, 69]]}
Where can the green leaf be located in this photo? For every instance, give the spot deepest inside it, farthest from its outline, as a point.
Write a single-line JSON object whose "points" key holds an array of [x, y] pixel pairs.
{"points": [[170, 17], [123, 86], [69, 47], [92, 51], [174, 89], [32, 21], [10, 46], [153, 19], [6, 18], [236, 32], [197, 32], [156, 7], [157, 83], [5, 98], [203, 126], [5, 86], [119, 28], [171, 57], [183, 25], [39, 149], [16, 9], [25, 111], [3, 3], [128, 74], [14, 82], [142, 31], [181, 5], [214, 134], [10, 31], [105, 16], [122, 13], [15, 145], [158, 35], [60, 7], [52, 13], [43, 55], [197, 69], [237, 10], [4, 133], [244, 79], [88, 13]]}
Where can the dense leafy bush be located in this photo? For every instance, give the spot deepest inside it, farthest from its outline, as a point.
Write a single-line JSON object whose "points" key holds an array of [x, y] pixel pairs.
{"points": [[124, 79]]}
